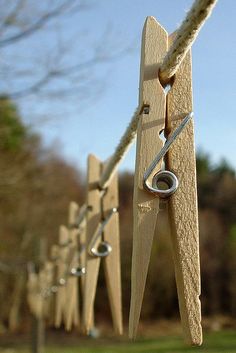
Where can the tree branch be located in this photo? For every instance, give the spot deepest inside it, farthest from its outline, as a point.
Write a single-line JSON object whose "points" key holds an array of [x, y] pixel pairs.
{"points": [[65, 73], [38, 24]]}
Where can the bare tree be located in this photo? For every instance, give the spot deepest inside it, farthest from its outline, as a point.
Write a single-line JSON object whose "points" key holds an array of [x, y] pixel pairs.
{"points": [[43, 58]]}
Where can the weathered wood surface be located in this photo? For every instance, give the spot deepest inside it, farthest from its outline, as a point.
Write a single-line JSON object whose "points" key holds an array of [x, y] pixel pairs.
{"points": [[183, 204], [112, 264], [149, 143], [93, 219]]}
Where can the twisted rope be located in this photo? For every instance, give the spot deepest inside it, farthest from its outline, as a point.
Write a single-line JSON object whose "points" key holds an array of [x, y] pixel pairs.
{"points": [[122, 148], [185, 37]]}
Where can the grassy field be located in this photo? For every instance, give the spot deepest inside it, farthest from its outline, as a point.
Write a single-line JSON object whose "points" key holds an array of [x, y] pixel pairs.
{"points": [[219, 342]]}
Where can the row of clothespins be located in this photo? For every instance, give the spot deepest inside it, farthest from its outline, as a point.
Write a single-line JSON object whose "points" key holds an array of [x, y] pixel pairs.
{"points": [[74, 262], [161, 173], [54, 291]]}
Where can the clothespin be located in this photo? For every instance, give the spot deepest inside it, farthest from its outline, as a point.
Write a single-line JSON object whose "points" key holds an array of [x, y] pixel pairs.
{"points": [[102, 243], [33, 291], [77, 221], [46, 277], [169, 112], [82, 224], [37, 293], [62, 271], [54, 259], [76, 269]]}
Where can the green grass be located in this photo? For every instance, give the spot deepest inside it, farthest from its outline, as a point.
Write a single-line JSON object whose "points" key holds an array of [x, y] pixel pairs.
{"points": [[213, 343]]}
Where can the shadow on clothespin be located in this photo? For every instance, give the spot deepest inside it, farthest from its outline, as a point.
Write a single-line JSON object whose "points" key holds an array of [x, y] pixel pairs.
{"points": [[166, 173], [102, 243]]}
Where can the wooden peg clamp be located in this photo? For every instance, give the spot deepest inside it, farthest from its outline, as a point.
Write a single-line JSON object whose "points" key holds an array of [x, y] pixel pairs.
{"points": [[33, 296], [47, 278], [54, 259], [38, 286], [102, 234], [82, 248], [183, 207], [72, 290], [62, 274], [180, 166]]}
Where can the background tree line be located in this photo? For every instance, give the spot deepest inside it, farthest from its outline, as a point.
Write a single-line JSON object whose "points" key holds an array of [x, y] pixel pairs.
{"points": [[36, 186]]}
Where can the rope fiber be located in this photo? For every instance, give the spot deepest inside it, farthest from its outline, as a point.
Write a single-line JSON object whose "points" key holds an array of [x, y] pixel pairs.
{"points": [[121, 149], [185, 37]]}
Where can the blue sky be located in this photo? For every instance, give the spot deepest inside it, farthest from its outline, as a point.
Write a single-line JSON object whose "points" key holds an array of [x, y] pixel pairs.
{"points": [[98, 125]]}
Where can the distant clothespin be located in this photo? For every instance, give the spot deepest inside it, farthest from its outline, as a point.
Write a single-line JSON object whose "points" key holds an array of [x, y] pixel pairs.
{"points": [[77, 221], [62, 271], [76, 265], [53, 258], [102, 242], [169, 112], [33, 298], [82, 224], [46, 276], [37, 291]]}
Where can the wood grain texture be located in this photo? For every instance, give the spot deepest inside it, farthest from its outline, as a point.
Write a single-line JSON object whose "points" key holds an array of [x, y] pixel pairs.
{"points": [[149, 143], [183, 204], [112, 269], [62, 267], [93, 219]]}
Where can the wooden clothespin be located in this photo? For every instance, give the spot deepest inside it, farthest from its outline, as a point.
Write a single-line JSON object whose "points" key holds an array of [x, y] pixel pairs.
{"points": [[169, 113], [82, 219], [33, 298], [77, 222], [102, 242], [38, 292], [62, 274], [46, 275], [76, 270], [54, 259]]}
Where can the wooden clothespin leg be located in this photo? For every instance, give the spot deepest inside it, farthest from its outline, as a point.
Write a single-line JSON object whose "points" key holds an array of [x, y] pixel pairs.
{"points": [[93, 219], [82, 252], [112, 261], [152, 122], [54, 256], [62, 267], [179, 170], [47, 284], [33, 291], [37, 285], [102, 232], [72, 292], [183, 204]]}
